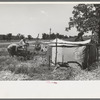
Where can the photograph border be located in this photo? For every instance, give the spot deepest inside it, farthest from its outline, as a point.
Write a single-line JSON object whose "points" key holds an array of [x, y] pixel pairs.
{"points": [[50, 85]]}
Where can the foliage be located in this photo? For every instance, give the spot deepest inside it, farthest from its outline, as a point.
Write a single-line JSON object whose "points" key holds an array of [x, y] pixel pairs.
{"points": [[9, 36], [53, 36], [30, 37], [86, 17]]}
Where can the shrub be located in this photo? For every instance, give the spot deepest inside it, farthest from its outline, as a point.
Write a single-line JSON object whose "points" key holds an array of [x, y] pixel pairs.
{"points": [[62, 73], [21, 69], [3, 52], [31, 71]]}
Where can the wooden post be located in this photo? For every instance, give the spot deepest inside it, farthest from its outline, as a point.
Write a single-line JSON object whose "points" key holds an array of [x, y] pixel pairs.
{"points": [[62, 58], [56, 51], [49, 62], [50, 34], [97, 53]]}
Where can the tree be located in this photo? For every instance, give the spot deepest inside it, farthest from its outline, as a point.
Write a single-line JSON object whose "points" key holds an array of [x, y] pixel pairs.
{"points": [[18, 36], [30, 37], [52, 36], [86, 17], [9, 36], [45, 36], [22, 36], [4, 37]]}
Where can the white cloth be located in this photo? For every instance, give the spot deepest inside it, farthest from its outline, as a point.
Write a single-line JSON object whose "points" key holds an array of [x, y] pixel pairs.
{"points": [[65, 54], [22, 43], [11, 45]]}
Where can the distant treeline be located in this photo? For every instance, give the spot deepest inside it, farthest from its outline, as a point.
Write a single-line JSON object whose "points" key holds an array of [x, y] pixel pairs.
{"points": [[53, 36], [9, 37]]}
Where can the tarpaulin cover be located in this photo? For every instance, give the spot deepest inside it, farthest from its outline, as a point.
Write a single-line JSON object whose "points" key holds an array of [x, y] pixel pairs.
{"points": [[65, 54], [68, 43], [73, 52]]}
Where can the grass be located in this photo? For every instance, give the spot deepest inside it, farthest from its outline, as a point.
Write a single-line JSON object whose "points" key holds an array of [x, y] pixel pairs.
{"points": [[11, 68], [36, 69], [36, 66]]}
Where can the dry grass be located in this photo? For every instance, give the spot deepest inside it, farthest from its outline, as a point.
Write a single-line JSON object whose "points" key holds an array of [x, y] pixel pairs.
{"points": [[38, 69]]}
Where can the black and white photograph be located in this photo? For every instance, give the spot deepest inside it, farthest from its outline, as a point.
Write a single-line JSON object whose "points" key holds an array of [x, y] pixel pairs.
{"points": [[50, 42], [49, 50]]}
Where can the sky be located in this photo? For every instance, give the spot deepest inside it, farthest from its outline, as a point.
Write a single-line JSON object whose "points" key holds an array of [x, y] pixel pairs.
{"points": [[35, 19]]}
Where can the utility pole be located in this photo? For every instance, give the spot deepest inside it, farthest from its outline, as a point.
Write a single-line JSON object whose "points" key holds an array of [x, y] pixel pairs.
{"points": [[50, 33]]}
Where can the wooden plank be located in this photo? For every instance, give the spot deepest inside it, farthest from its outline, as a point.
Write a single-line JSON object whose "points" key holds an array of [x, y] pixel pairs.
{"points": [[56, 53]]}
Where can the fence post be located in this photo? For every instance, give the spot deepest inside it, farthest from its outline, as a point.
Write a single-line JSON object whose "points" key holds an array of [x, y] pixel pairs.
{"points": [[49, 62], [62, 58], [97, 53], [56, 52]]}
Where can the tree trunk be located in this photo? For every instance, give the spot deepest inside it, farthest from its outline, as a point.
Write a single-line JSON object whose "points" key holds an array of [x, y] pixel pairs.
{"points": [[99, 36]]}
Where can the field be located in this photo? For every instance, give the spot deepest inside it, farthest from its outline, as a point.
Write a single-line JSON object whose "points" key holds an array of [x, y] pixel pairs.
{"points": [[14, 68]]}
